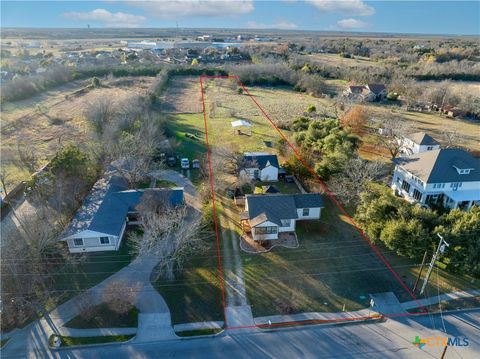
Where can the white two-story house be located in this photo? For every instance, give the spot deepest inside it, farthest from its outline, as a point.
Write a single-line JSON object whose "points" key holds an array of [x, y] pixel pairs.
{"points": [[268, 216], [418, 142], [449, 176]]}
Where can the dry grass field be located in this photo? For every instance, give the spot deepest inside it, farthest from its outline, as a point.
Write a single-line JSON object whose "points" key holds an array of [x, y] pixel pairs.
{"points": [[337, 60], [183, 96], [55, 118]]}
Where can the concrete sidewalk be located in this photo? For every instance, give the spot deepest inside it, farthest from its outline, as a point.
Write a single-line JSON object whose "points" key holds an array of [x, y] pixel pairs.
{"points": [[434, 300]]}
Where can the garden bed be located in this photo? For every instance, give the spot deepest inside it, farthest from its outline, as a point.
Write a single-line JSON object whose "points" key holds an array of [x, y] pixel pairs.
{"points": [[101, 316], [74, 341]]}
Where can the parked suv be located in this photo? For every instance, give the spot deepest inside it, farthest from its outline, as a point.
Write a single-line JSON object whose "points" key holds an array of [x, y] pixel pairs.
{"points": [[185, 163]]}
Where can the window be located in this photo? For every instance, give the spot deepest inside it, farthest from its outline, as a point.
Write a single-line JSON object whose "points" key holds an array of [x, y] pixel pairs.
{"points": [[439, 185], [286, 222], [78, 241], [417, 194], [104, 240], [429, 148], [455, 185], [306, 212], [265, 230], [406, 186]]}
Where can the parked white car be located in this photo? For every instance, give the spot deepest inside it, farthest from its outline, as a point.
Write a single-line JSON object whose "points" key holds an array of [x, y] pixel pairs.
{"points": [[195, 164], [185, 163]]}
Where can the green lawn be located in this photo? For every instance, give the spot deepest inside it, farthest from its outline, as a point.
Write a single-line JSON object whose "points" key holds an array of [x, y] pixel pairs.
{"points": [[143, 184], [89, 269], [101, 316], [195, 294], [71, 341], [159, 183], [281, 186]]}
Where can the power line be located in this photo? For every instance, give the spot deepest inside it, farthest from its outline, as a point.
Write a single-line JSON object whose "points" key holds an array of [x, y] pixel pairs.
{"points": [[265, 278], [216, 266]]}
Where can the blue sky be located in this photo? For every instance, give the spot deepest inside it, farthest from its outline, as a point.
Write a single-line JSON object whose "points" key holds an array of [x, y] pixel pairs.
{"points": [[431, 17]]}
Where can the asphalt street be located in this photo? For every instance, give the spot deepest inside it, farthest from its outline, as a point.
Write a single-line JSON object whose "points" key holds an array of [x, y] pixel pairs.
{"points": [[390, 339]]}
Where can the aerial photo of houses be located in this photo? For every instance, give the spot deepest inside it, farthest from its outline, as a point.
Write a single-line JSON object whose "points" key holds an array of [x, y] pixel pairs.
{"points": [[240, 179]]}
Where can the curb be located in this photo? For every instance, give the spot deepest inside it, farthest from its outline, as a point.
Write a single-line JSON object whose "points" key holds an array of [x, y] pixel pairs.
{"points": [[312, 322]]}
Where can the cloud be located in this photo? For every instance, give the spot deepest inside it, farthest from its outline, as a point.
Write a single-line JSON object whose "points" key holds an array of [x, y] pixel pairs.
{"points": [[174, 9], [351, 24], [346, 7], [107, 18], [280, 24]]}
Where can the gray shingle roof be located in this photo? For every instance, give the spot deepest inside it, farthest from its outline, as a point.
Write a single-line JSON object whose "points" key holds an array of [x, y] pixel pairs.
{"points": [[376, 88], [308, 200], [106, 207], [263, 160], [275, 207], [98, 206], [437, 166], [423, 139]]}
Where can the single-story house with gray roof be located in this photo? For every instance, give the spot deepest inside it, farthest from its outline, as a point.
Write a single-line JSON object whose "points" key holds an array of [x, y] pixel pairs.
{"points": [[267, 215], [449, 176], [100, 222]]}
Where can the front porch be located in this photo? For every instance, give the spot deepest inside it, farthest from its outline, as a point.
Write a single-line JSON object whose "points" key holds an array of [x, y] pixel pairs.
{"points": [[462, 199], [285, 239]]}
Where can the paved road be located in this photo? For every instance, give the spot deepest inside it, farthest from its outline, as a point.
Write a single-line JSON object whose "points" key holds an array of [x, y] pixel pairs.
{"points": [[391, 339]]}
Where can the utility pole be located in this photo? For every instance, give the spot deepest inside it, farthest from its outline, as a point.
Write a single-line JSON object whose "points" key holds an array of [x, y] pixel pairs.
{"points": [[440, 249], [420, 272]]}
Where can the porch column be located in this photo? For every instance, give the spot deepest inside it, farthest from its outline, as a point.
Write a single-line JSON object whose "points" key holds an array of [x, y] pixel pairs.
{"points": [[470, 204]]}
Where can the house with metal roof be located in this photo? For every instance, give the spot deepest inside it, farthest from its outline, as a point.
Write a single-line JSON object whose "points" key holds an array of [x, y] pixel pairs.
{"points": [[100, 222], [418, 142], [448, 176], [267, 216], [261, 166]]}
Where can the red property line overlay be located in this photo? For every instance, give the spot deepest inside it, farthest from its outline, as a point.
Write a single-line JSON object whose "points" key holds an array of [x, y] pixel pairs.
{"points": [[324, 188]]}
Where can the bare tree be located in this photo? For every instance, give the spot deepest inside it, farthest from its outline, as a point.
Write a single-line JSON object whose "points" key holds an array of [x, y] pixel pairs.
{"points": [[134, 151], [27, 155], [26, 264], [351, 183], [100, 112], [392, 133], [451, 137], [170, 233]]}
